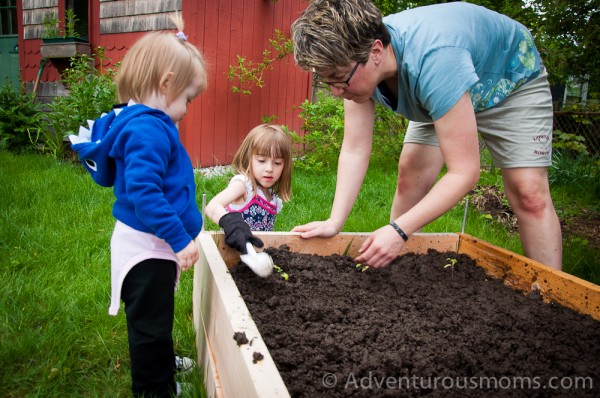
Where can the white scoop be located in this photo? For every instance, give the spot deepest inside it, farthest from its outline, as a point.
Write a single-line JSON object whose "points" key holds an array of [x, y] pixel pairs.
{"points": [[260, 263]]}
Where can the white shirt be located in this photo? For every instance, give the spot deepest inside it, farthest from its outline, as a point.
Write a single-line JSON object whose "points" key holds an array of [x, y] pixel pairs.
{"points": [[129, 247]]}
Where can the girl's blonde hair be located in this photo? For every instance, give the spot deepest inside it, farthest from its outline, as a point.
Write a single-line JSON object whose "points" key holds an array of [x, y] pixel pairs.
{"points": [[152, 57], [267, 140]]}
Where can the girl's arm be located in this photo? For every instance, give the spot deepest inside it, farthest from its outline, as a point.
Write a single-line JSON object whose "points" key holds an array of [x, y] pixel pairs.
{"points": [[237, 232], [235, 192]]}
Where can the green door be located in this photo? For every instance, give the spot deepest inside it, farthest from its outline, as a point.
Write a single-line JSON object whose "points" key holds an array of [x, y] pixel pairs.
{"points": [[9, 42]]}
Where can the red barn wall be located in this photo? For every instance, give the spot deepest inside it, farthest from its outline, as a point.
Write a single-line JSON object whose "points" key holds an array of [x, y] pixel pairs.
{"points": [[218, 120]]}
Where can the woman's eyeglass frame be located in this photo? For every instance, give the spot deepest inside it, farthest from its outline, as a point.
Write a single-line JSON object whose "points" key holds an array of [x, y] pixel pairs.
{"points": [[340, 84]]}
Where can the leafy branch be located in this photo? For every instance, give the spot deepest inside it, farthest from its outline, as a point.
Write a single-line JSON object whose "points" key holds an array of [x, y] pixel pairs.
{"points": [[248, 74]]}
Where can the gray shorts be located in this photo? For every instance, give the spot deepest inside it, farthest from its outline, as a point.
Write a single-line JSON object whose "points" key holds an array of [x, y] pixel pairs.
{"points": [[517, 131]]}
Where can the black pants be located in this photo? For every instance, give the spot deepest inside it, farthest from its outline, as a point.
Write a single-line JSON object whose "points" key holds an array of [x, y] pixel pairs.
{"points": [[149, 297]]}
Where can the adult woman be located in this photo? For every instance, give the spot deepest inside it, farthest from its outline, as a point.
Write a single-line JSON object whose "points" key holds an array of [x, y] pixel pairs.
{"points": [[454, 70]]}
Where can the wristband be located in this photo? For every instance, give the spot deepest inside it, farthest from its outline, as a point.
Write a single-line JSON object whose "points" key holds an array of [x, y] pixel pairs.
{"points": [[399, 230]]}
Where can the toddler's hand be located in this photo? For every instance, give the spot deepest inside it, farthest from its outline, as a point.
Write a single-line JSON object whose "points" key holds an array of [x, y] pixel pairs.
{"points": [[188, 256]]}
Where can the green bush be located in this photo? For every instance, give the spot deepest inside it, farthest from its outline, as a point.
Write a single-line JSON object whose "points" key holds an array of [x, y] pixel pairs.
{"points": [[323, 123], [91, 92], [18, 114], [569, 142], [577, 171], [388, 134]]}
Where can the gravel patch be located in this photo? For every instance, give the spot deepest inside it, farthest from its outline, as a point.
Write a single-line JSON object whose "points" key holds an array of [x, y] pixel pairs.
{"points": [[214, 171]]}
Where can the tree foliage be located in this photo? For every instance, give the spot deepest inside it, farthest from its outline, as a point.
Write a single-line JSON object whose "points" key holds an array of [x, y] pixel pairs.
{"points": [[567, 35]]}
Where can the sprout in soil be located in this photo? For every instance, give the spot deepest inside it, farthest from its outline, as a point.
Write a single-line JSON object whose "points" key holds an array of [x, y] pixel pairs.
{"points": [[451, 263], [363, 268], [281, 272]]}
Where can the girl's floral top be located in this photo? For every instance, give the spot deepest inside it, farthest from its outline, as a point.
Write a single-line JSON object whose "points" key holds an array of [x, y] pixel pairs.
{"points": [[257, 211]]}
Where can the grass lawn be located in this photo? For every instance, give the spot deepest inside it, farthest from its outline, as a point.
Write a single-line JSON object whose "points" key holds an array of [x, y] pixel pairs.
{"points": [[56, 335]]}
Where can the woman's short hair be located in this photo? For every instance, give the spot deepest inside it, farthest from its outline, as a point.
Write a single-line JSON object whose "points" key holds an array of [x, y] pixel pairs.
{"points": [[332, 33]]}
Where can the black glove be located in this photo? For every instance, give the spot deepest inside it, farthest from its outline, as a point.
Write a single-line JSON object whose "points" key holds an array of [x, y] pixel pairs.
{"points": [[237, 232]]}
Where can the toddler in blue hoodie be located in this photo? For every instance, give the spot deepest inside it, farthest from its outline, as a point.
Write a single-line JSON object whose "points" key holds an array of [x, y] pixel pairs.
{"points": [[136, 149]]}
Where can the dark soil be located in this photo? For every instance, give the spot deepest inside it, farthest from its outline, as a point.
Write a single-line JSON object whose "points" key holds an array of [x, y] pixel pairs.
{"points": [[420, 327], [492, 201]]}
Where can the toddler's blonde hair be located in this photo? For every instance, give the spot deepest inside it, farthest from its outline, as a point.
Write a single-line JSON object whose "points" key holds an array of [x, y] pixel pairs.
{"points": [[149, 60]]}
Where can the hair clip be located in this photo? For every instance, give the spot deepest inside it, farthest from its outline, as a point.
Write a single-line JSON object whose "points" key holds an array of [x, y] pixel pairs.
{"points": [[180, 35]]}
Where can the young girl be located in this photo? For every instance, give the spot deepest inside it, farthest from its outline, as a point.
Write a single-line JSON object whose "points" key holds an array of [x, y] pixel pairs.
{"points": [[263, 164], [137, 150]]}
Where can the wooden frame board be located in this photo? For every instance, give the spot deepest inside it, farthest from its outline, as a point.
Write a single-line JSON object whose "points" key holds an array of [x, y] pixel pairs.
{"points": [[343, 243], [525, 274], [219, 313], [219, 310]]}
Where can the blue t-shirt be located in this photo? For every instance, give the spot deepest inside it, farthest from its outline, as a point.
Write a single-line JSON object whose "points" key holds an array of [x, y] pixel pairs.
{"points": [[445, 50]]}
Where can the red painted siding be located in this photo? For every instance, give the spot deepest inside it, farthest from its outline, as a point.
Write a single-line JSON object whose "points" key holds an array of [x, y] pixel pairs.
{"points": [[219, 119]]}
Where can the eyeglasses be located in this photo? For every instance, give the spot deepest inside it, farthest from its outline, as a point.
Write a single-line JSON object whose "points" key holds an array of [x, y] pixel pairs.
{"points": [[341, 84]]}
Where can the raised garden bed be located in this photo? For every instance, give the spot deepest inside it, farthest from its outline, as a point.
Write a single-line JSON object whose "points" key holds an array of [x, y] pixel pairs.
{"points": [[417, 323]]}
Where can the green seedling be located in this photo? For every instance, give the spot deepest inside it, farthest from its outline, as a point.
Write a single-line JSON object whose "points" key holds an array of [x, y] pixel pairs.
{"points": [[348, 247], [451, 263], [282, 274], [362, 268]]}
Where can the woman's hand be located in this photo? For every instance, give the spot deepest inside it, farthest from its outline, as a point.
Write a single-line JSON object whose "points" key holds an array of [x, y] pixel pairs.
{"points": [[380, 248], [324, 229]]}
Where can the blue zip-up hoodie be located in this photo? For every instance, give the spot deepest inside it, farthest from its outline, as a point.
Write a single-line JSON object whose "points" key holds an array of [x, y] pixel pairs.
{"points": [[137, 150]]}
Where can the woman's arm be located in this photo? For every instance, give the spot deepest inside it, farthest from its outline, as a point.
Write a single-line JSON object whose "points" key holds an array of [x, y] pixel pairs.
{"points": [[457, 136], [352, 167]]}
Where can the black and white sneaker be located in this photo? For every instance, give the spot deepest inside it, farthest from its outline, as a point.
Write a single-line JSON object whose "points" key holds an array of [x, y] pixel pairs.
{"points": [[184, 365]]}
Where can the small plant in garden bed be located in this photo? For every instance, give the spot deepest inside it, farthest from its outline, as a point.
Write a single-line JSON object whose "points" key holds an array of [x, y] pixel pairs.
{"points": [[281, 272], [361, 267], [451, 263]]}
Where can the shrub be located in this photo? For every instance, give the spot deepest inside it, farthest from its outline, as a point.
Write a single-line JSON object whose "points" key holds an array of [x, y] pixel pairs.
{"points": [[577, 171], [388, 134], [91, 92], [18, 114], [324, 130], [569, 142], [323, 125]]}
